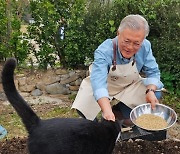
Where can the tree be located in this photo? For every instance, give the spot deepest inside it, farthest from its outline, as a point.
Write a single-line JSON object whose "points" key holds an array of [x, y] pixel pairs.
{"points": [[49, 21], [12, 43]]}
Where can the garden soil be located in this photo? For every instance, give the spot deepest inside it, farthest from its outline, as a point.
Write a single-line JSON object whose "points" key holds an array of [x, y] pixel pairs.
{"points": [[19, 146]]}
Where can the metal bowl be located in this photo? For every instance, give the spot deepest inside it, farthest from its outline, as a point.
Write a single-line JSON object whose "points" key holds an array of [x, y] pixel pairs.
{"points": [[161, 110]]}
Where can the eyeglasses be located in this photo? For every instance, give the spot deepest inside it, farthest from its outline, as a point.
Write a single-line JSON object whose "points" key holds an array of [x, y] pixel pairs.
{"points": [[129, 43]]}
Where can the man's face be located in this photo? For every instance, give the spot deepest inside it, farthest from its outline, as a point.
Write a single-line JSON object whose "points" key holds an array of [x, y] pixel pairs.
{"points": [[129, 41]]}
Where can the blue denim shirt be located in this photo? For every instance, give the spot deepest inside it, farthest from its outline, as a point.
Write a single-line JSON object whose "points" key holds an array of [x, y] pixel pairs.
{"points": [[103, 57]]}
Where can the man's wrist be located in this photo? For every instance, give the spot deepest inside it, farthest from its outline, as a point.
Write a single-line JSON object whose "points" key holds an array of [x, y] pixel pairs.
{"points": [[149, 89]]}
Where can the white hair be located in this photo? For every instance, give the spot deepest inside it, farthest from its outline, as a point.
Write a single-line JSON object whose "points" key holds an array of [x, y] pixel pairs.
{"points": [[134, 22]]}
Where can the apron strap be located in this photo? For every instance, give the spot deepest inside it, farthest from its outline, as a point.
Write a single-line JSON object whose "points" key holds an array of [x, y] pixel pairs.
{"points": [[114, 54]]}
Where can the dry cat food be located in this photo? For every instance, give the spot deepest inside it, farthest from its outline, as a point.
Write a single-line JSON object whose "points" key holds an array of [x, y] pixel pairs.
{"points": [[151, 122]]}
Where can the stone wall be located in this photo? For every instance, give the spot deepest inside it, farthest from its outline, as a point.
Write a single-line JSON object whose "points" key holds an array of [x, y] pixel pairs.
{"points": [[50, 82]]}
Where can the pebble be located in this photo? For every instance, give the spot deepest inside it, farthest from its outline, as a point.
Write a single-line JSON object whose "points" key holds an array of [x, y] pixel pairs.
{"points": [[176, 147], [130, 141]]}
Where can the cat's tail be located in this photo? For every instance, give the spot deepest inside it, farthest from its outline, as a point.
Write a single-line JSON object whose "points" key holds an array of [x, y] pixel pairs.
{"points": [[29, 118]]}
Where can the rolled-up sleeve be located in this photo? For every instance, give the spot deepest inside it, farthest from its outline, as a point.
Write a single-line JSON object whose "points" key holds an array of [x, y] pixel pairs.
{"points": [[154, 81]]}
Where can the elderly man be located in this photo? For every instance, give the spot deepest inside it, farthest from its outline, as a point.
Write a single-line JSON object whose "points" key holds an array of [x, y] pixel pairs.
{"points": [[115, 74]]}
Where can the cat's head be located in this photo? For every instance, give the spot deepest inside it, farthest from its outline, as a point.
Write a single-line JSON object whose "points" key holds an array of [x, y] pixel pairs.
{"points": [[114, 127]]}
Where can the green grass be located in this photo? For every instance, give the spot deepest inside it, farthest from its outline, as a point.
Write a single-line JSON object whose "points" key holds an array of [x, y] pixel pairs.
{"points": [[64, 112], [14, 126]]}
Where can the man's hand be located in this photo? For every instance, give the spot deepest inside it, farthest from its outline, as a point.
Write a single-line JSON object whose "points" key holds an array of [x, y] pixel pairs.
{"points": [[105, 106], [151, 98], [108, 115]]}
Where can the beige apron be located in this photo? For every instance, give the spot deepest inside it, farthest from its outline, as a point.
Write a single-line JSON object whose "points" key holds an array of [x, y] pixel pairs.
{"points": [[124, 84]]}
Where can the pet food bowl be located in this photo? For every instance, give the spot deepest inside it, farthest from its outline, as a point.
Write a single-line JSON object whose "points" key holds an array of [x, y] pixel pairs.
{"points": [[165, 112]]}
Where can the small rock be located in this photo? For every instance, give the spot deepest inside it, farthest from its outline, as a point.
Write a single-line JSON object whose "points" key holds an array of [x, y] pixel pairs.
{"points": [[22, 81], [57, 88], [74, 88], [130, 140], [176, 147], [24, 94], [27, 88], [61, 72], [3, 97], [36, 92]]}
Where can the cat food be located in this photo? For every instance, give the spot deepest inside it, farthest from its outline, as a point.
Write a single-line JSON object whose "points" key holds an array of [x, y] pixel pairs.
{"points": [[151, 122]]}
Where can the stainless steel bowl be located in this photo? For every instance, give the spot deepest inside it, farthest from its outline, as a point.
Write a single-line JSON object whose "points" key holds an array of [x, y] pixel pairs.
{"points": [[161, 110]]}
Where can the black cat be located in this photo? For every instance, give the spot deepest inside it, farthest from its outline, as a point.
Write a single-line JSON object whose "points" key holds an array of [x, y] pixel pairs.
{"points": [[59, 135]]}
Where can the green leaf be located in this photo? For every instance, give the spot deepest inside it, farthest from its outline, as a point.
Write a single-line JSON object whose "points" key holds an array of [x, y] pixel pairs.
{"points": [[112, 29], [111, 22]]}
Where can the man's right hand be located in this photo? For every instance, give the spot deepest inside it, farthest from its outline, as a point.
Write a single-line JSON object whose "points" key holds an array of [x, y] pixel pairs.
{"points": [[105, 106]]}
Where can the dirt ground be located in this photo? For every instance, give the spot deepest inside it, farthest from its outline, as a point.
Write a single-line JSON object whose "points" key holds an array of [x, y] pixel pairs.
{"points": [[17, 145]]}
